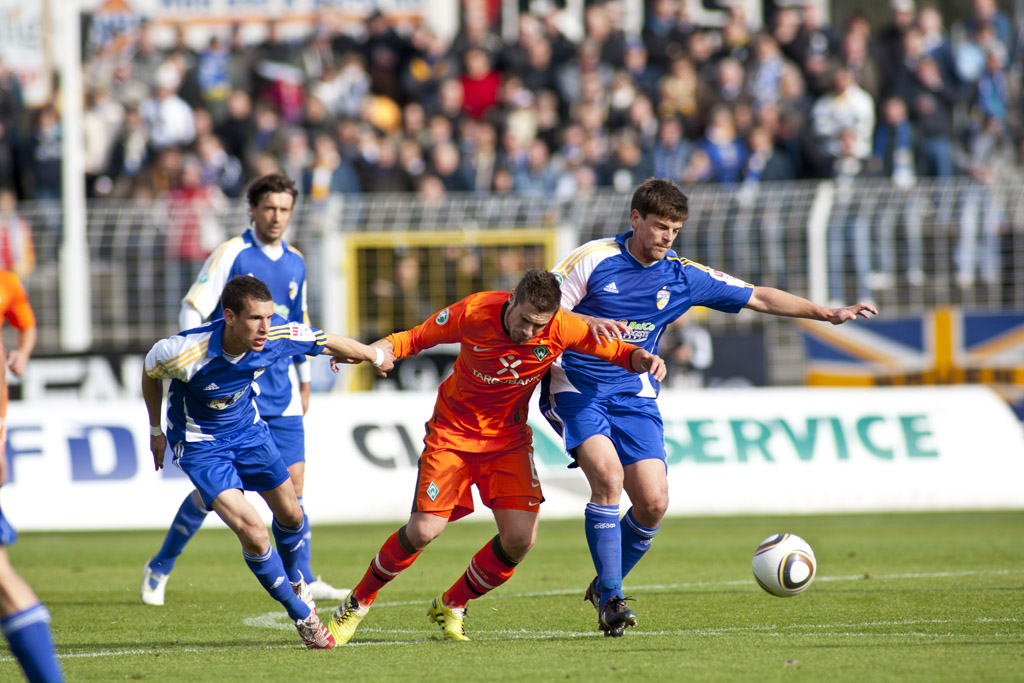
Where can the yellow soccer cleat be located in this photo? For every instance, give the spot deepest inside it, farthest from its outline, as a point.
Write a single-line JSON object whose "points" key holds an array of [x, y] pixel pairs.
{"points": [[345, 620], [450, 619]]}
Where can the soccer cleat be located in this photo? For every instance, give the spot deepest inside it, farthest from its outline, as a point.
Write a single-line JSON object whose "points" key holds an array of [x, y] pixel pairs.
{"points": [[345, 620], [615, 616], [321, 590], [450, 619], [304, 593], [153, 586], [313, 633], [593, 595]]}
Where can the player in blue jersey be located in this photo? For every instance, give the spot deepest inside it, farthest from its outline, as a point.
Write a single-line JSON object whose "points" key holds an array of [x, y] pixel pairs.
{"points": [[284, 389], [218, 439], [631, 287]]}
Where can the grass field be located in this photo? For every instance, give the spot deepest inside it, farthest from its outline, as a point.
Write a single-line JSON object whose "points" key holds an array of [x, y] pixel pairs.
{"points": [[903, 597]]}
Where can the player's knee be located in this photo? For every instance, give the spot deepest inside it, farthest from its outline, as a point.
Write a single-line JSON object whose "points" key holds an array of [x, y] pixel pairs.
{"points": [[650, 510], [517, 545], [254, 536]]}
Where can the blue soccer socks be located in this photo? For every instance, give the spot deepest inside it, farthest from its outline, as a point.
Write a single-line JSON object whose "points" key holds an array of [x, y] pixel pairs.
{"points": [[269, 570], [290, 541], [186, 523], [305, 552], [28, 633], [604, 537], [636, 540]]}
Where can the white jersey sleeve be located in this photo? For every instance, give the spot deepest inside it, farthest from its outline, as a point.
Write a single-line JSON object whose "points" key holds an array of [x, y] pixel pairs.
{"points": [[574, 270], [204, 294], [178, 357]]}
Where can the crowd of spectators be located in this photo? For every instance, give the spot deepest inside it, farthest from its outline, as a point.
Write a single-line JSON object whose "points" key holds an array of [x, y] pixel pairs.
{"points": [[370, 108]]}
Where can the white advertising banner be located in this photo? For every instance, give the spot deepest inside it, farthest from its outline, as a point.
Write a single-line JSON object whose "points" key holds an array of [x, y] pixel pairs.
{"points": [[22, 31], [86, 465]]}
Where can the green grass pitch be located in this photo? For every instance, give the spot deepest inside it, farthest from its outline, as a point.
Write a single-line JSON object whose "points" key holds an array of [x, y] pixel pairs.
{"points": [[897, 597]]}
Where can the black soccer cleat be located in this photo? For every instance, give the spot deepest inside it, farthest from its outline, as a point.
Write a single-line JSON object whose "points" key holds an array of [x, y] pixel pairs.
{"points": [[615, 617], [593, 595]]}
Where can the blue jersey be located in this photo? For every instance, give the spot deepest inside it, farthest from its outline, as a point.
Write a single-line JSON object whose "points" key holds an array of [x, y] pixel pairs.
{"points": [[212, 397], [284, 272], [602, 279]]}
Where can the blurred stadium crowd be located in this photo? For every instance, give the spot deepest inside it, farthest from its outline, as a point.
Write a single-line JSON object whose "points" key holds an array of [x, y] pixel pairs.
{"points": [[369, 108]]}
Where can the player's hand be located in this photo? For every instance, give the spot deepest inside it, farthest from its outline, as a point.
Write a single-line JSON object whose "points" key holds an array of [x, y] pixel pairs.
{"points": [[158, 445], [16, 362], [604, 329], [645, 361], [389, 359], [838, 316]]}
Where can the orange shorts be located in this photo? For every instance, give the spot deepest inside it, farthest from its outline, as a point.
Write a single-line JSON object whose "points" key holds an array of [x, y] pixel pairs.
{"points": [[506, 480]]}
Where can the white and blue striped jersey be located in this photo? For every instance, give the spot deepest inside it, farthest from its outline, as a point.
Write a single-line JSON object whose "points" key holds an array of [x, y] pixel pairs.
{"points": [[283, 269], [210, 396], [602, 279]]}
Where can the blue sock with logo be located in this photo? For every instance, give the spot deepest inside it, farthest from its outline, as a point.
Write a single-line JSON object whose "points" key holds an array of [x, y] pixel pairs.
{"points": [[305, 551], [636, 540], [605, 540], [269, 571], [289, 541], [28, 633], [186, 523]]}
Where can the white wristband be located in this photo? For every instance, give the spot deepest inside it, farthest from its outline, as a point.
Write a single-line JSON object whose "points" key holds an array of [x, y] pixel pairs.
{"points": [[380, 357], [155, 430]]}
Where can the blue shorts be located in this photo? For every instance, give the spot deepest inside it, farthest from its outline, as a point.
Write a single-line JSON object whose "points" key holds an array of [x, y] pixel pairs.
{"points": [[633, 423], [248, 460], [289, 436], [7, 533]]}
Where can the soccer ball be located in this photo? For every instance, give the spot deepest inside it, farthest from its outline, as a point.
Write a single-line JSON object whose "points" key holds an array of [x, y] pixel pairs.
{"points": [[784, 565]]}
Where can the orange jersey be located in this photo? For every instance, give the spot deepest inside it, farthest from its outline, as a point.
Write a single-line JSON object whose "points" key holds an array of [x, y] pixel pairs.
{"points": [[484, 403], [14, 306]]}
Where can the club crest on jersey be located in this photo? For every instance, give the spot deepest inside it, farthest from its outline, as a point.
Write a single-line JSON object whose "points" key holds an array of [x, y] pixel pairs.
{"points": [[293, 289], [541, 352], [663, 296], [442, 317]]}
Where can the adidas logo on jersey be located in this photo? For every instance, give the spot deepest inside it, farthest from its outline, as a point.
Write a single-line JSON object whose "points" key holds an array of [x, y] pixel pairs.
{"points": [[212, 386], [610, 287]]}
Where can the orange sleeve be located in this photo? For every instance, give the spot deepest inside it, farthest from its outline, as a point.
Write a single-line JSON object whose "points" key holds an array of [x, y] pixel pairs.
{"points": [[19, 312], [577, 337], [445, 327]]}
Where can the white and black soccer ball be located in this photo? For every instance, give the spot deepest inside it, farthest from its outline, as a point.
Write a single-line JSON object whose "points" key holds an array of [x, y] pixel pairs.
{"points": [[784, 565]]}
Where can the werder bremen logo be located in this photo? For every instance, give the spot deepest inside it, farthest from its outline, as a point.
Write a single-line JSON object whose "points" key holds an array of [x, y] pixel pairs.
{"points": [[541, 352], [560, 278], [442, 317], [432, 491]]}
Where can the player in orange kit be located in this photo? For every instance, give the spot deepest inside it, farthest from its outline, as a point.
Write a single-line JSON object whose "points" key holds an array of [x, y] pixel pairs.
{"points": [[478, 435], [24, 620]]}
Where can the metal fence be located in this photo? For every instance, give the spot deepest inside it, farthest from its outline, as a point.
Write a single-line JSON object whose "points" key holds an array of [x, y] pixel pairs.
{"points": [[905, 248]]}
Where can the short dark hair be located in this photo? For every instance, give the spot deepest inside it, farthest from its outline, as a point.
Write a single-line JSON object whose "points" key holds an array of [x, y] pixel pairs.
{"points": [[661, 197], [243, 288], [540, 289], [271, 183]]}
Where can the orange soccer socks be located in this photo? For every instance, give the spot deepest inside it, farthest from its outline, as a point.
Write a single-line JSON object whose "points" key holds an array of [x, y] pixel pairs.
{"points": [[395, 555], [488, 569]]}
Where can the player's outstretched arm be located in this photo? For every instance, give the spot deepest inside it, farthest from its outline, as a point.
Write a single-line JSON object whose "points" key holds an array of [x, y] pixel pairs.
{"points": [[643, 360], [778, 302], [389, 352], [153, 395], [603, 328], [351, 351]]}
